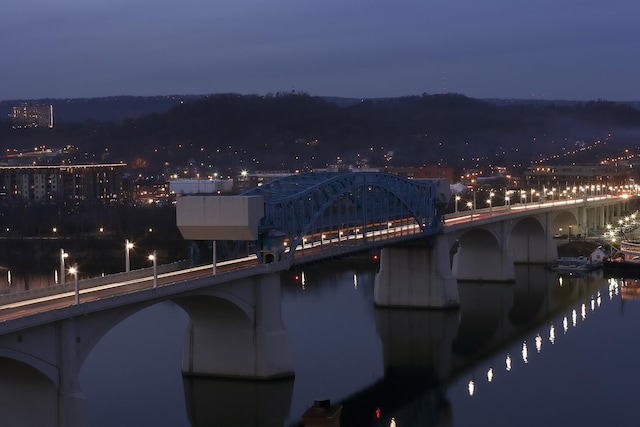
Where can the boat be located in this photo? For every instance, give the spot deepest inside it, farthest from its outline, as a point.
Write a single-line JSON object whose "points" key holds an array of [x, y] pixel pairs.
{"points": [[580, 263], [574, 264], [627, 259]]}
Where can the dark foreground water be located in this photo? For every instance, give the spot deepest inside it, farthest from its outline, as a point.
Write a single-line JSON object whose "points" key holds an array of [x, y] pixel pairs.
{"points": [[538, 352]]}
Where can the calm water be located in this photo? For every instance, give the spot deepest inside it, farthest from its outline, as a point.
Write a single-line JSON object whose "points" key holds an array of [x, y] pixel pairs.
{"points": [[536, 352]]}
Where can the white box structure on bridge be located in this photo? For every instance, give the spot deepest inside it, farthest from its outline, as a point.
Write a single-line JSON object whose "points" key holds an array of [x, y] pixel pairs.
{"points": [[219, 218]]}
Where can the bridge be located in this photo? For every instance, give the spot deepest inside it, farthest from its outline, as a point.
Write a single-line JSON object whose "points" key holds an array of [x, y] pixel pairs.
{"points": [[293, 221], [309, 217]]}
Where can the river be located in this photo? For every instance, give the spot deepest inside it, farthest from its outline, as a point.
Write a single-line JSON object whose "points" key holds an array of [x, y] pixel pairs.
{"points": [[540, 351]]}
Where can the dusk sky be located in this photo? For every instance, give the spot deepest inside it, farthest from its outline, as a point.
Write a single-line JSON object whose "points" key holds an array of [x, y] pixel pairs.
{"points": [[545, 49]]}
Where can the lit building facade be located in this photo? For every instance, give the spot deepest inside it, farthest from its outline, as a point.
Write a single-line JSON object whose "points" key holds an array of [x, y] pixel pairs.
{"points": [[561, 176], [32, 115], [56, 184], [418, 172]]}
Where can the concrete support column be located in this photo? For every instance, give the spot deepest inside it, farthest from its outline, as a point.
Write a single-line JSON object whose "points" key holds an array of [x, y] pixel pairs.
{"points": [[71, 403], [417, 276], [241, 336], [582, 217]]}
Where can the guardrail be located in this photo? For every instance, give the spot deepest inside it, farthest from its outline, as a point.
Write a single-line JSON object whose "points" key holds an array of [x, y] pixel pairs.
{"points": [[92, 282]]}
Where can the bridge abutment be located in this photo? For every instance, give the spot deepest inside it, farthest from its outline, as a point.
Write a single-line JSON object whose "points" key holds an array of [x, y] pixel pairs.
{"points": [[237, 332], [417, 277]]}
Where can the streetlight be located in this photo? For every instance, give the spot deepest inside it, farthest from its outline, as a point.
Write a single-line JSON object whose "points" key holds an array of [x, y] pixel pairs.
{"points": [[63, 255], [74, 270], [154, 258], [470, 206], [457, 200], [491, 194], [523, 198], [127, 247]]}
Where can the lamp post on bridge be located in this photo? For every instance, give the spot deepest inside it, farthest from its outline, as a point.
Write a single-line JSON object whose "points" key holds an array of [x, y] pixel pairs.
{"points": [[74, 270], [63, 255], [154, 258], [489, 201], [470, 206], [127, 247], [457, 198]]}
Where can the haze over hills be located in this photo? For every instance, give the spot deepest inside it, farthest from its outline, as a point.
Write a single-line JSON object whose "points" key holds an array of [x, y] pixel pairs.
{"points": [[227, 132], [118, 108]]}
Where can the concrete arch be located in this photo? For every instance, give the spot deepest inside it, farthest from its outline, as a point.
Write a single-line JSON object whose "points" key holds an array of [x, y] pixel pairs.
{"points": [[481, 257], [565, 222], [28, 396], [35, 363], [236, 331], [528, 241]]}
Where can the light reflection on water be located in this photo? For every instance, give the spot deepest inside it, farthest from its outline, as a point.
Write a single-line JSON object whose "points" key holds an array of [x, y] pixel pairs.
{"points": [[535, 352]]}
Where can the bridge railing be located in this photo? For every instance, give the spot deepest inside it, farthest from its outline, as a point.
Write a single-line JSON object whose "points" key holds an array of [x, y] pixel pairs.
{"points": [[92, 282]]}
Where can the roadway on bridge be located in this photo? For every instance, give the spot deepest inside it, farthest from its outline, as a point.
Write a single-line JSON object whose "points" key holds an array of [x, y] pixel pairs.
{"points": [[47, 303]]}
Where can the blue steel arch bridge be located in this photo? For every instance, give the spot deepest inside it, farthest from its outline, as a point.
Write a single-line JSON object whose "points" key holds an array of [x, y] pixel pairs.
{"points": [[320, 212]]}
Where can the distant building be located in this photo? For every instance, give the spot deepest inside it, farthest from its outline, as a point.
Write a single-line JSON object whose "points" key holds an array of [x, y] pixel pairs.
{"points": [[200, 186], [56, 184], [247, 181], [569, 176], [32, 116], [419, 172]]}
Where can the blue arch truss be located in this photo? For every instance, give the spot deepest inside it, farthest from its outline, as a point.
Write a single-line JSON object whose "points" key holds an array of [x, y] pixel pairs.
{"points": [[347, 208]]}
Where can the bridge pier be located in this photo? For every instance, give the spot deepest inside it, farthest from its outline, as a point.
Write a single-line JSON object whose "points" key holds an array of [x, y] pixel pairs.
{"points": [[417, 277], [237, 331]]}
